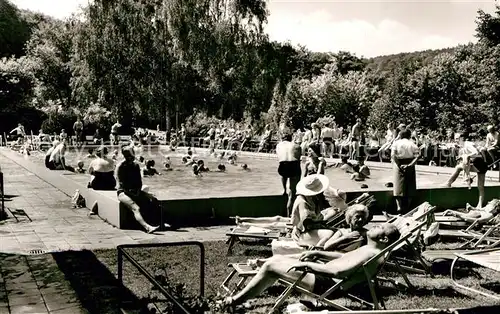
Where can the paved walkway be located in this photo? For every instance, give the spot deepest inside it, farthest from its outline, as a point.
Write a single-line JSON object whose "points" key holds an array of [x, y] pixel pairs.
{"points": [[32, 283]]}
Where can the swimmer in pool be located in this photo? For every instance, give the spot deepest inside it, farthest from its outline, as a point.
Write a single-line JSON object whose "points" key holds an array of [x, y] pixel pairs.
{"points": [[201, 166], [91, 154], [167, 164], [196, 170], [150, 169], [80, 166], [221, 168], [245, 167]]}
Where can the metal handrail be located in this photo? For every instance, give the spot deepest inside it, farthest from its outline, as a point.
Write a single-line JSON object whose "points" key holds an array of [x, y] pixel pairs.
{"points": [[123, 253], [3, 214]]}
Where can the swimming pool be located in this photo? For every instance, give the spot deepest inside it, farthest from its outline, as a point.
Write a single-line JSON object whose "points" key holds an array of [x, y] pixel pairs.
{"points": [[261, 178]]}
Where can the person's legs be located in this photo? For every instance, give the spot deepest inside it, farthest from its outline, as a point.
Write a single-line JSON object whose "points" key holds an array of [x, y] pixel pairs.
{"points": [[454, 176], [132, 205], [399, 204], [293, 193], [274, 269], [284, 181], [481, 177]]}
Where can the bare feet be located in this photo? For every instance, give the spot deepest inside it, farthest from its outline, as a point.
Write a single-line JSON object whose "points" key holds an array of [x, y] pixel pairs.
{"points": [[152, 229]]}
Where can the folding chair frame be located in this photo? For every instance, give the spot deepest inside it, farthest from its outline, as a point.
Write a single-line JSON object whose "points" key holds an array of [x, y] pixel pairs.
{"points": [[370, 279], [452, 274]]}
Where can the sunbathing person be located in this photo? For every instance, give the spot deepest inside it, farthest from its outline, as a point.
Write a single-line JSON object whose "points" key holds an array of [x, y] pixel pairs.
{"points": [[472, 214], [102, 170], [348, 239], [339, 266], [335, 198], [131, 192]]}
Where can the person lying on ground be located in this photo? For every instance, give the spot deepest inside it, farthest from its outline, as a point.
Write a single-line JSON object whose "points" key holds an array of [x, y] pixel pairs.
{"points": [[340, 266]]}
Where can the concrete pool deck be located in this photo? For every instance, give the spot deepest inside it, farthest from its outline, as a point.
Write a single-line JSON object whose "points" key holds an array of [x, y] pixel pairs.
{"points": [[216, 210]]}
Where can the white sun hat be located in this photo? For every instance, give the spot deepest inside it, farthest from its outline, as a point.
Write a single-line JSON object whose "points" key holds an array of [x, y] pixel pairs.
{"points": [[313, 185]]}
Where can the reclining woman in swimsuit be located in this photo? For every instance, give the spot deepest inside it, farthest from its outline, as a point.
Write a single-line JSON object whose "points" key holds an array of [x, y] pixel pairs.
{"points": [[348, 239], [473, 214], [335, 198]]}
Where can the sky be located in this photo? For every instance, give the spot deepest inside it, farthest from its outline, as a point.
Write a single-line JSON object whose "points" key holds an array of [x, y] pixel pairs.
{"points": [[365, 27]]}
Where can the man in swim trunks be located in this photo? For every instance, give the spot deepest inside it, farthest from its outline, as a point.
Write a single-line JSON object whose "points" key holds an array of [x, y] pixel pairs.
{"points": [[355, 138], [114, 132], [289, 154], [340, 266], [327, 135], [78, 129]]}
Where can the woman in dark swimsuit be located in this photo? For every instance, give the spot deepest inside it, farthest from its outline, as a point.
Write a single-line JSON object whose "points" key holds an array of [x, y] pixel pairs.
{"points": [[315, 163]]}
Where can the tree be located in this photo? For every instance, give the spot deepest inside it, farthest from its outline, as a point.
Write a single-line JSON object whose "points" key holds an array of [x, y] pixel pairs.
{"points": [[488, 27]]}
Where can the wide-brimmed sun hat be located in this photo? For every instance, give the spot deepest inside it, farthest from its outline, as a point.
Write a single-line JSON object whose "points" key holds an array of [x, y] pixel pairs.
{"points": [[313, 185]]}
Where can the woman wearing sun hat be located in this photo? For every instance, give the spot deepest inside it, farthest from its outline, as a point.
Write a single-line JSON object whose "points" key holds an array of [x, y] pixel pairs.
{"points": [[307, 220]]}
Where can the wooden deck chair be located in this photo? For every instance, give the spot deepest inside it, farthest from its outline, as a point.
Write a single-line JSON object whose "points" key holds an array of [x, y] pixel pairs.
{"points": [[404, 263], [342, 285], [281, 230], [489, 258], [244, 271], [337, 220], [475, 238], [382, 218]]}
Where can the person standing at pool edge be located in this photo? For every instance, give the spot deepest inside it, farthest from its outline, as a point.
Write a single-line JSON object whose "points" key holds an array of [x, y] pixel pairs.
{"points": [[289, 154], [78, 129], [404, 156], [114, 132]]}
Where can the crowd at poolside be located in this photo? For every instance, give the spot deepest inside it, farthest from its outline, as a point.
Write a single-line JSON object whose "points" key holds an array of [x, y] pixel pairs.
{"points": [[312, 200]]}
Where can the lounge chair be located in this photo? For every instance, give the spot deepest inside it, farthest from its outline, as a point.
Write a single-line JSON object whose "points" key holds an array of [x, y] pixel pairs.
{"points": [[487, 258], [279, 231], [244, 271], [475, 238], [345, 284]]}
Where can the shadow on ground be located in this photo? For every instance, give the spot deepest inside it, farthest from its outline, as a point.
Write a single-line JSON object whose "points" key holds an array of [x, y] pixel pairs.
{"points": [[96, 287]]}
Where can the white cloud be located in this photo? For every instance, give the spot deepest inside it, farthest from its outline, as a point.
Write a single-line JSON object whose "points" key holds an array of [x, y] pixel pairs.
{"points": [[319, 31], [56, 8]]}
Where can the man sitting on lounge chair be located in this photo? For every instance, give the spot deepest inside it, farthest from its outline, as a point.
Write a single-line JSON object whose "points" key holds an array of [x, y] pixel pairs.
{"points": [[340, 266], [473, 214]]}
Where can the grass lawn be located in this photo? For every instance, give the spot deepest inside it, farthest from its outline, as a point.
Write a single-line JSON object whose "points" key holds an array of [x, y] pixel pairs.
{"points": [[180, 265]]}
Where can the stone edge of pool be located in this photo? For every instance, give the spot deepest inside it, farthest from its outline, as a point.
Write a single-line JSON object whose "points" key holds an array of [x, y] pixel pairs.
{"points": [[217, 210]]}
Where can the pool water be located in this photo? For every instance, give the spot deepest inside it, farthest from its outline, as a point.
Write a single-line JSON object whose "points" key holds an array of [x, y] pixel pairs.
{"points": [[261, 178]]}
